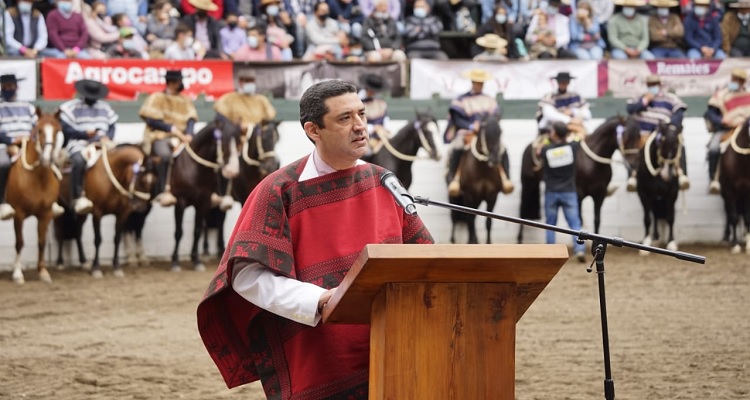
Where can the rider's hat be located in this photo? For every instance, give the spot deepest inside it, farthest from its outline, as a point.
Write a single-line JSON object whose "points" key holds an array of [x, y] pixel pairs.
{"points": [[492, 41], [653, 80], [478, 75], [563, 76], [739, 73], [664, 3], [373, 82], [91, 89], [740, 4], [9, 78], [173, 75], [246, 73]]}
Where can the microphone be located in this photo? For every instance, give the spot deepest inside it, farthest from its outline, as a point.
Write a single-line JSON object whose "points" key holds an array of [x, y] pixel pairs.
{"points": [[403, 198]]}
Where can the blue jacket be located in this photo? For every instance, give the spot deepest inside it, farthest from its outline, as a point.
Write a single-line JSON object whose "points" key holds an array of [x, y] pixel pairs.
{"points": [[709, 35], [351, 12], [577, 33]]}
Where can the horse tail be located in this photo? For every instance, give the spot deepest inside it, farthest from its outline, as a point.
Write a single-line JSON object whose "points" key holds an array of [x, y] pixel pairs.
{"points": [[530, 188]]}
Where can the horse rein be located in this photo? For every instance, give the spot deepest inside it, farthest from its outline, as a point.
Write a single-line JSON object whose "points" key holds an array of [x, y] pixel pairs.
{"points": [[660, 160], [202, 161], [733, 142], [262, 154], [608, 160], [476, 153], [130, 192], [405, 157], [38, 148]]}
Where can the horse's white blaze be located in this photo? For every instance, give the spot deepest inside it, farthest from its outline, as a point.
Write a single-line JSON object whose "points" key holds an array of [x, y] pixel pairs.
{"points": [[49, 136], [232, 168]]}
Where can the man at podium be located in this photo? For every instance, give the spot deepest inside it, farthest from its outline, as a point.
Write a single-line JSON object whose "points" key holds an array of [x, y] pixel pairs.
{"points": [[297, 236]]}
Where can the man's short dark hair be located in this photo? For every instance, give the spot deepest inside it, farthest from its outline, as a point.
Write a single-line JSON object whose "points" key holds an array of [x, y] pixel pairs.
{"points": [[312, 105], [180, 29], [561, 129]]}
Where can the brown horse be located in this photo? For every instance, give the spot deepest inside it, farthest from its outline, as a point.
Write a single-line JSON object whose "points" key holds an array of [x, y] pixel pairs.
{"points": [[481, 178], [593, 167], [257, 158], [735, 184], [120, 182], [194, 177], [33, 186]]}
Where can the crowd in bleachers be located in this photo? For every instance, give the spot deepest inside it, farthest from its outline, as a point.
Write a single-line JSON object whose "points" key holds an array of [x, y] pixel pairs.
{"points": [[374, 30]]}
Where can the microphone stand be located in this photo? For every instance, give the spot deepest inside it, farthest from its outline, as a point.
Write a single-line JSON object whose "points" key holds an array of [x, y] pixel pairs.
{"points": [[598, 250]]}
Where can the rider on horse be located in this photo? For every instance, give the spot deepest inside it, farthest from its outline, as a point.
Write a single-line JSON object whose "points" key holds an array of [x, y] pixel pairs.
{"points": [[464, 119], [167, 114], [85, 120], [656, 106], [728, 109], [563, 106], [376, 109], [245, 107]]}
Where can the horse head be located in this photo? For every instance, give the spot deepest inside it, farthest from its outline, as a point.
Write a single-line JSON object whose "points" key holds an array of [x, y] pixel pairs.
{"points": [[489, 139], [425, 125], [629, 139], [143, 185], [262, 144], [669, 146], [46, 135], [227, 135]]}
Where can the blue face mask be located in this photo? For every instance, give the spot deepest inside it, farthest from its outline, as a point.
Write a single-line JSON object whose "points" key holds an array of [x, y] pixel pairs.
{"points": [[700, 11], [501, 18], [654, 89], [733, 86], [420, 12], [65, 7], [272, 10], [628, 11], [8, 95]]}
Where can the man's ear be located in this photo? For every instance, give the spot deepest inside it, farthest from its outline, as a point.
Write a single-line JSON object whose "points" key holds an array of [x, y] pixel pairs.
{"points": [[311, 129]]}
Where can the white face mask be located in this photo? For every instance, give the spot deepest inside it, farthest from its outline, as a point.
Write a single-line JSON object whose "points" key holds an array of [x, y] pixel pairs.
{"points": [[420, 12], [628, 11], [662, 12], [272, 10], [188, 42], [501, 18], [552, 10], [733, 86], [248, 88], [252, 41], [654, 89], [700, 10], [743, 16], [25, 7]]}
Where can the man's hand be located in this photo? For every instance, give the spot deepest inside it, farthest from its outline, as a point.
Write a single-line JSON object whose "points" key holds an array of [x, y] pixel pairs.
{"points": [[91, 133], [70, 53], [285, 18], [576, 121], [17, 141], [386, 53], [31, 53], [324, 298], [708, 52], [648, 97]]}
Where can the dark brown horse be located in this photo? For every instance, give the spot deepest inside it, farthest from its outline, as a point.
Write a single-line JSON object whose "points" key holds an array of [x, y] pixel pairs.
{"points": [[658, 185], [119, 183], [194, 177], [257, 158], [399, 152], [33, 186], [734, 166], [593, 167], [481, 177]]}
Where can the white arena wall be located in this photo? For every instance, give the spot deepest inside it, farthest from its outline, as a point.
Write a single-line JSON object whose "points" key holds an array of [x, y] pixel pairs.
{"points": [[700, 216]]}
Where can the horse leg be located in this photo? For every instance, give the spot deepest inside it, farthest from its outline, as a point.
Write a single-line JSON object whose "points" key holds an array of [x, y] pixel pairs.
{"points": [[647, 225], [85, 264], [60, 241], [179, 212], [139, 253], [42, 226], [519, 238], [119, 227], [18, 264], [746, 214], [732, 218], [471, 224], [205, 241], [490, 207], [671, 243], [598, 201], [96, 270], [199, 227]]}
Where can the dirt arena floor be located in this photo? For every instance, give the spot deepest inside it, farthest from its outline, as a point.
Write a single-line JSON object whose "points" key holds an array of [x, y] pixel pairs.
{"points": [[677, 331]]}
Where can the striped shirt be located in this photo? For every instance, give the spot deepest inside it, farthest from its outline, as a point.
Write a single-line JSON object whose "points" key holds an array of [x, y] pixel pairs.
{"points": [[17, 119], [81, 118], [661, 109]]}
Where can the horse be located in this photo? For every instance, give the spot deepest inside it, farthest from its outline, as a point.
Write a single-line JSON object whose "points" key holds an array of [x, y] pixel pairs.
{"points": [[194, 177], [482, 177], [33, 186], [119, 182], [593, 171], [735, 184], [658, 185], [399, 152], [257, 158]]}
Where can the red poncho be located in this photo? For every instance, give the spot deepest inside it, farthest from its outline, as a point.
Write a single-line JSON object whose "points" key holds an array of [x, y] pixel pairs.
{"points": [[311, 231]]}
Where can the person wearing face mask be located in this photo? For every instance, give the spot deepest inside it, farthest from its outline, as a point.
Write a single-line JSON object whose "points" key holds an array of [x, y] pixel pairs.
{"points": [[501, 25], [727, 109], [585, 34], [245, 104], [349, 15], [232, 37], [736, 30], [666, 31], [323, 31], [102, 33], [703, 33], [167, 114], [422, 34], [280, 28], [205, 28], [85, 120], [160, 26], [256, 48], [549, 33], [67, 31], [628, 32], [184, 47], [655, 107], [17, 119], [380, 38], [125, 46], [26, 32]]}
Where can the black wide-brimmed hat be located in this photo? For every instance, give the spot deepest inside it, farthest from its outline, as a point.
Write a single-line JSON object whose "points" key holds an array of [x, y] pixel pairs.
{"points": [[91, 89], [9, 78], [373, 82], [563, 77], [173, 75]]}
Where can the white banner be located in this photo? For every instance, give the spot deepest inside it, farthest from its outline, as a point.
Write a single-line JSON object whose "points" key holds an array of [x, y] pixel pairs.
{"points": [[516, 80], [23, 69]]}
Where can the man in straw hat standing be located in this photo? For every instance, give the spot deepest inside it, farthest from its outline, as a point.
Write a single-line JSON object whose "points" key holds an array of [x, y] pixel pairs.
{"points": [[563, 106], [206, 28], [703, 33], [85, 120], [735, 29], [654, 107], [464, 118], [665, 30], [728, 109], [628, 32], [167, 114], [495, 48]]}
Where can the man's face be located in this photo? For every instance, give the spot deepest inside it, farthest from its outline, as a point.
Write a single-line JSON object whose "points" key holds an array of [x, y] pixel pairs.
{"points": [[343, 140], [477, 87], [9, 87], [563, 85], [173, 86]]}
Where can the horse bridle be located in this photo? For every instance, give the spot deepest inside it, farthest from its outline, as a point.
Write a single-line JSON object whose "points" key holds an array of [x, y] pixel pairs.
{"points": [[48, 143], [405, 157], [481, 137], [660, 160], [262, 153], [620, 146], [202, 161], [130, 192]]}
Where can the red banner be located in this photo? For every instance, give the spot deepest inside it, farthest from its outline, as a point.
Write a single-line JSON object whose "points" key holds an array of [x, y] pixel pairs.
{"points": [[128, 78]]}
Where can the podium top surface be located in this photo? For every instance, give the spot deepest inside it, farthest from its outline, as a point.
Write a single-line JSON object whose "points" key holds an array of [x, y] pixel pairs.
{"points": [[530, 266]]}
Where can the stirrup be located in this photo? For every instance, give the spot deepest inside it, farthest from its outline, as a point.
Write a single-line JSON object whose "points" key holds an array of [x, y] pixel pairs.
{"points": [[57, 210], [83, 206], [226, 203], [714, 187], [612, 188], [166, 199], [454, 187], [632, 184], [684, 182], [6, 211]]}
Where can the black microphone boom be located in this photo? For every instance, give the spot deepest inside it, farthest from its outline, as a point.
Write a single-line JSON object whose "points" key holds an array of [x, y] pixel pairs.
{"points": [[403, 198]]}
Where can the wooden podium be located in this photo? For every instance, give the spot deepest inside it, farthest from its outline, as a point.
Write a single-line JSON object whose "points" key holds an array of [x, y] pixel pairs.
{"points": [[443, 317]]}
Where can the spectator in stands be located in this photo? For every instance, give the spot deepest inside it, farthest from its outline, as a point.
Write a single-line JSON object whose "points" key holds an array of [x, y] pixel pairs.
{"points": [[703, 33], [585, 34], [67, 31], [602, 10], [526, 10], [26, 32], [205, 28], [628, 32], [422, 34], [489, 9], [324, 31], [665, 31], [502, 25], [354, 52], [136, 11], [735, 30], [125, 46], [380, 37], [184, 46], [495, 48], [102, 34], [549, 33], [256, 47], [214, 8], [123, 21], [232, 37], [349, 15], [160, 26], [280, 28], [393, 8]]}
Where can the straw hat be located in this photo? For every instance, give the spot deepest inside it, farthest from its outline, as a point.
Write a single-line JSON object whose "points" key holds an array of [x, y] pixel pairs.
{"points": [[267, 2], [740, 4], [653, 79], [478, 75], [702, 2], [739, 73], [492, 41], [206, 5], [664, 3], [630, 3]]}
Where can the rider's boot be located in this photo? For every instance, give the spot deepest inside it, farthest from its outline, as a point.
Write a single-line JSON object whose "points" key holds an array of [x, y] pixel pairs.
{"points": [[81, 204], [713, 165], [453, 178], [165, 197]]}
